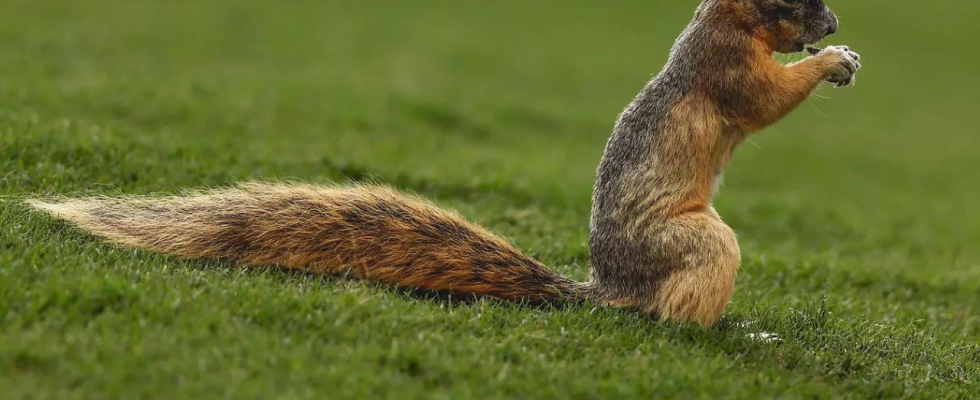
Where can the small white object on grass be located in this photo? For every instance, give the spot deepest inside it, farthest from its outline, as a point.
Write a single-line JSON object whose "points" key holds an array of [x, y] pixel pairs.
{"points": [[765, 337]]}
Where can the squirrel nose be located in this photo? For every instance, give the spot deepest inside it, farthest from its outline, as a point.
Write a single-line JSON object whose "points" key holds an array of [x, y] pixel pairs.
{"points": [[834, 23]]}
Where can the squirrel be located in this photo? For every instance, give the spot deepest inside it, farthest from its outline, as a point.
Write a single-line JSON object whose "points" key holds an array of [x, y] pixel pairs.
{"points": [[656, 243]]}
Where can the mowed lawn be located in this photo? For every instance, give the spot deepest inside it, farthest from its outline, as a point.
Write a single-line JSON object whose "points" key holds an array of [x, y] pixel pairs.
{"points": [[858, 215]]}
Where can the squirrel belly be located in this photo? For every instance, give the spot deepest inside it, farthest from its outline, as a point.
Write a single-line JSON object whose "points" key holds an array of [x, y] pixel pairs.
{"points": [[368, 232]]}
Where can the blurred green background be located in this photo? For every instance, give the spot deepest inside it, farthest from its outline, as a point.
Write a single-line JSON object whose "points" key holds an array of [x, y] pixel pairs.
{"points": [[857, 214]]}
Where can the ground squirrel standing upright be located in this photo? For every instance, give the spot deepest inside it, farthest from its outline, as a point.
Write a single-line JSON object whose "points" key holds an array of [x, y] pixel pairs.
{"points": [[656, 243]]}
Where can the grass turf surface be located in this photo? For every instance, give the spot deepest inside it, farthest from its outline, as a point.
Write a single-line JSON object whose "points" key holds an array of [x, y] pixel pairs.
{"points": [[857, 215]]}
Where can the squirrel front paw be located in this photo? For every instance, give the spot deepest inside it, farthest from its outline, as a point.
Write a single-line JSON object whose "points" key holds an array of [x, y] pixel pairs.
{"points": [[845, 64]]}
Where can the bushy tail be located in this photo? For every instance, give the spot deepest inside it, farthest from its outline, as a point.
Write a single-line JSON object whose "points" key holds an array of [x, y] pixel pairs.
{"points": [[370, 232]]}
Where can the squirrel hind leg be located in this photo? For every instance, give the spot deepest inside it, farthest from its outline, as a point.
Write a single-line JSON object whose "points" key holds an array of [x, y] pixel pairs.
{"points": [[700, 296], [701, 288]]}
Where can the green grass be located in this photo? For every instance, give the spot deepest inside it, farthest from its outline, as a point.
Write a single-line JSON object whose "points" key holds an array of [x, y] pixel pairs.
{"points": [[857, 215]]}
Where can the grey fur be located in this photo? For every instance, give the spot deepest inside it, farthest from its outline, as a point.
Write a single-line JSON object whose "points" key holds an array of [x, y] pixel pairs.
{"points": [[710, 55], [626, 267]]}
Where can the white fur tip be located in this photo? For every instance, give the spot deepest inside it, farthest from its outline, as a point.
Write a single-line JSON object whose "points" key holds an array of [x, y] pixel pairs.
{"points": [[55, 209], [39, 205]]}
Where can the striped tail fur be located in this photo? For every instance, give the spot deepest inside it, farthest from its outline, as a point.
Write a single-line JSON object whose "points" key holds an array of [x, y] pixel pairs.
{"points": [[369, 232]]}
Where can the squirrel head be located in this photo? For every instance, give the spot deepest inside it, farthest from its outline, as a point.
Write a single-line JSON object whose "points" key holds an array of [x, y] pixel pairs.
{"points": [[786, 26]]}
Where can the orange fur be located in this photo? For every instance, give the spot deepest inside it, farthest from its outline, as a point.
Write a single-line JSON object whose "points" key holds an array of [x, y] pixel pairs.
{"points": [[780, 88], [370, 232]]}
